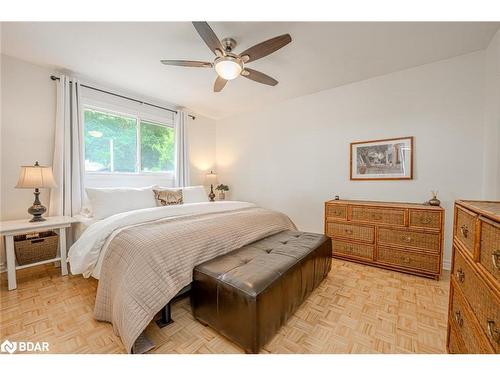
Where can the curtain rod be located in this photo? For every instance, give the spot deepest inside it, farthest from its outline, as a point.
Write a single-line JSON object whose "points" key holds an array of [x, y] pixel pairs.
{"points": [[54, 78]]}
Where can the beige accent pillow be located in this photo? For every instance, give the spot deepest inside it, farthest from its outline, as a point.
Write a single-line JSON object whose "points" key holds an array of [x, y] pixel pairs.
{"points": [[167, 197]]}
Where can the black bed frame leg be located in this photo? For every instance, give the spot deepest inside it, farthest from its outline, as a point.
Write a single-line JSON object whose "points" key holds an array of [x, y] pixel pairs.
{"points": [[166, 317]]}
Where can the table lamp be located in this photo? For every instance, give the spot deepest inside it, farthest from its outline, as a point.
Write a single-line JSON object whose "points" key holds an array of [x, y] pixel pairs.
{"points": [[211, 179], [36, 177]]}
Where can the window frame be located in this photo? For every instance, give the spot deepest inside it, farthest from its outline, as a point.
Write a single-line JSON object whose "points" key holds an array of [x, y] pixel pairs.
{"points": [[156, 120]]}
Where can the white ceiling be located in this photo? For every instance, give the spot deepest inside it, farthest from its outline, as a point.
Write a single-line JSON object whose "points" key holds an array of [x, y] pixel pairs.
{"points": [[322, 55]]}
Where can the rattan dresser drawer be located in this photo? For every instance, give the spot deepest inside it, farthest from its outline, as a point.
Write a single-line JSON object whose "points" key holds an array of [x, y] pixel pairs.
{"points": [[465, 228], [352, 249], [425, 219], [406, 259], [490, 247], [378, 215], [463, 321], [407, 238], [336, 211], [351, 231], [455, 342], [481, 298]]}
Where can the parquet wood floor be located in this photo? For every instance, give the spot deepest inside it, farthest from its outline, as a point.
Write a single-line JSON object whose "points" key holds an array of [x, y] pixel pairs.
{"points": [[357, 309]]}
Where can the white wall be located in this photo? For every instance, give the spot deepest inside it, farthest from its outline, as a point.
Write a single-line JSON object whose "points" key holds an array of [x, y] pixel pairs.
{"points": [[201, 140], [491, 184], [295, 155], [27, 130]]}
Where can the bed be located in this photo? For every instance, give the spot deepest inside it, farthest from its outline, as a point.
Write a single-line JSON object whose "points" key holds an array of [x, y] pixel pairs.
{"points": [[81, 225], [144, 257]]}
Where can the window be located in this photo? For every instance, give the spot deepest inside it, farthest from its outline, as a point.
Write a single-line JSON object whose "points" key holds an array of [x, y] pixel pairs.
{"points": [[157, 147], [127, 144]]}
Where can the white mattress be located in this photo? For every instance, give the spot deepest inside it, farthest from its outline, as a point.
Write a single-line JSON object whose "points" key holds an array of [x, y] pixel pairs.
{"points": [[82, 224]]}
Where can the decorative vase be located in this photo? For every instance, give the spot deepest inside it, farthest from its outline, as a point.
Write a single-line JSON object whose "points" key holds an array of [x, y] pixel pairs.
{"points": [[434, 201], [222, 195]]}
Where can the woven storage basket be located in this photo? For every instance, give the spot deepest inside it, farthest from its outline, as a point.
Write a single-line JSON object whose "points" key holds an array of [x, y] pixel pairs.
{"points": [[37, 249]]}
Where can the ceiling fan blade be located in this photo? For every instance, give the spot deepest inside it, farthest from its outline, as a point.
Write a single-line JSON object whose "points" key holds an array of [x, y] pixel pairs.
{"points": [[188, 63], [219, 84], [266, 48], [257, 76], [209, 37]]}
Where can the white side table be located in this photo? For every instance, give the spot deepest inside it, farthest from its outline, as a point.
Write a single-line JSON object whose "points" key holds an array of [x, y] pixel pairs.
{"points": [[9, 229]]}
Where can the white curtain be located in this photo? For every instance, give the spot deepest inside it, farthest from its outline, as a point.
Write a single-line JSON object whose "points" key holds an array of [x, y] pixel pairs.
{"points": [[68, 162], [181, 150]]}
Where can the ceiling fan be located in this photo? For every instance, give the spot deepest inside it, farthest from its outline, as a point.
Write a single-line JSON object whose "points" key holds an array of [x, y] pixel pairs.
{"points": [[229, 65]]}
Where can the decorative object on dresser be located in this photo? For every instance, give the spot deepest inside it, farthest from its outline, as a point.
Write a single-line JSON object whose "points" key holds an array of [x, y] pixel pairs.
{"points": [[211, 179], [382, 159], [222, 191], [406, 237], [434, 201], [474, 309], [36, 177]]}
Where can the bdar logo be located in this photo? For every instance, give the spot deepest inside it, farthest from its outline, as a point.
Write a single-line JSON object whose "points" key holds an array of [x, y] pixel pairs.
{"points": [[9, 347]]}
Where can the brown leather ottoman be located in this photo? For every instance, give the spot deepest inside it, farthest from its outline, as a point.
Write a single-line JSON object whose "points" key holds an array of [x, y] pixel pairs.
{"points": [[249, 293]]}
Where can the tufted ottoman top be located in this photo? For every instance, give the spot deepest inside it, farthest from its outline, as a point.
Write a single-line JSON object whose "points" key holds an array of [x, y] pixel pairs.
{"points": [[253, 267]]}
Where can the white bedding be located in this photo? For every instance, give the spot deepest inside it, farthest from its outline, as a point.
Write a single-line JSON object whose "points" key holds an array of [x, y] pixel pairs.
{"points": [[86, 254], [82, 225]]}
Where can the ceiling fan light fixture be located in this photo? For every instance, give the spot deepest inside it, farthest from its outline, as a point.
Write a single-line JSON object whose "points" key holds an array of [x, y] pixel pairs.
{"points": [[228, 67]]}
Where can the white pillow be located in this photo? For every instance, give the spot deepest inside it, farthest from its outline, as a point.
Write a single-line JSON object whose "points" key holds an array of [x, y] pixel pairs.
{"points": [[194, 194], [105, 202]]}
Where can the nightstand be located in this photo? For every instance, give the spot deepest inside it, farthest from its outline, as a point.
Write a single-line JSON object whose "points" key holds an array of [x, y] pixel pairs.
{"points": [[9, 229]]}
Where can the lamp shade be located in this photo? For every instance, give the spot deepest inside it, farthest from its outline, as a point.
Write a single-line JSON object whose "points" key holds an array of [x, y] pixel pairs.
{"points": [[35, 176], [211, 178]]}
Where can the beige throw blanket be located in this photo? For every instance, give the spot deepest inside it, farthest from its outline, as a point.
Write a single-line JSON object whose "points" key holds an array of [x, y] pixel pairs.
{"points": [[146, 265]]}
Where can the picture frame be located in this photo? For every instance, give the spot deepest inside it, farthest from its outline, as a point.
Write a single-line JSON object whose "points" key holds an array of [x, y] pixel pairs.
{"points": [[382, 159]]}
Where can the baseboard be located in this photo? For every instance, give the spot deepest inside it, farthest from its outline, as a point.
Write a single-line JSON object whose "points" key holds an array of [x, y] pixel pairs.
{"points": [[447, 264]]}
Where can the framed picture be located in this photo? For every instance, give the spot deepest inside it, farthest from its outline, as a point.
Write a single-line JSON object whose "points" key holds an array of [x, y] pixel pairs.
{"points": [[383, 159]]}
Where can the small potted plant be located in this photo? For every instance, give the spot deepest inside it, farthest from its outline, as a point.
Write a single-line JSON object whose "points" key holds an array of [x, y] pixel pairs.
{"points": [[222, 191]]}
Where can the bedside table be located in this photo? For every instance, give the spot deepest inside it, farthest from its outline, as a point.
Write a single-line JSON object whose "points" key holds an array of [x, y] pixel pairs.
{"points": [[9, 229]]}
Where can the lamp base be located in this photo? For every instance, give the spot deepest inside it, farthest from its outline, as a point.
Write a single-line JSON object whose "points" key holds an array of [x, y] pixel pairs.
{"points": [[36, 218], [212, 194], [37, 210]]}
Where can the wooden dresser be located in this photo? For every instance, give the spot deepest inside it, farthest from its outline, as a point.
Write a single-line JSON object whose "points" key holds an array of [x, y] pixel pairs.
{"points": [[474, 310], [406, 237]]}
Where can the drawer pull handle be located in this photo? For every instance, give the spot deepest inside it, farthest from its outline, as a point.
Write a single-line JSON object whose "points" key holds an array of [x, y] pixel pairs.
{"points": [[425, 220], [348, 248], [460, 275], [493, 332], [348, 231], [495, 259], [464, 230], [406, 259], [407, 239], [376, 217], [459, 319], [337, 213]]}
